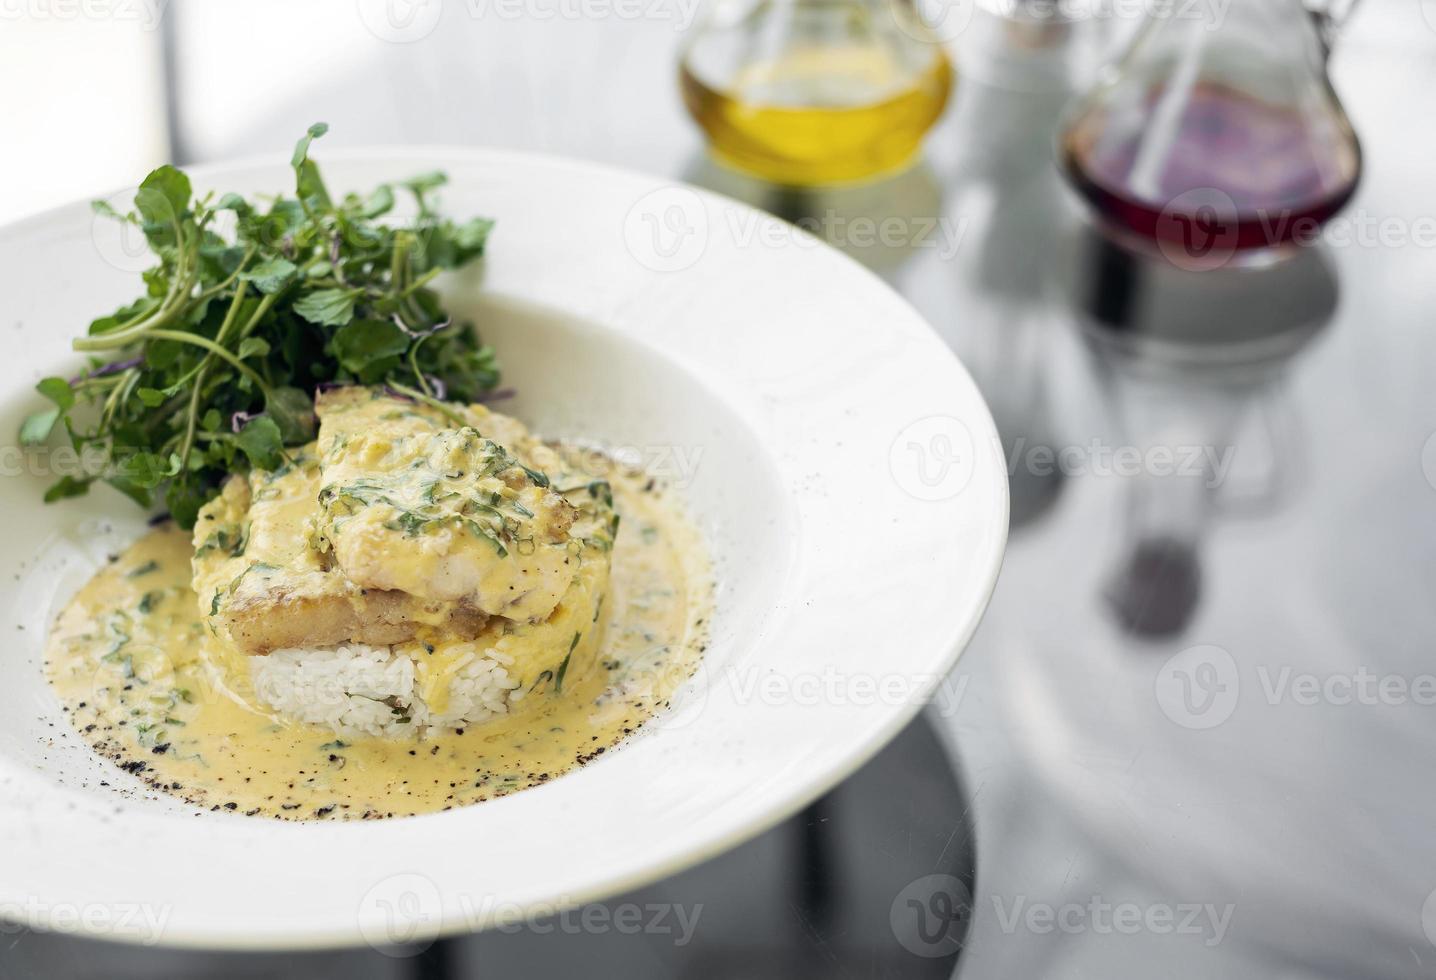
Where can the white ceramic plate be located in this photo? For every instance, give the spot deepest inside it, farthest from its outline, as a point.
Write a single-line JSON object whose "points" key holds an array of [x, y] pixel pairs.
{"points": [[842, 465]]}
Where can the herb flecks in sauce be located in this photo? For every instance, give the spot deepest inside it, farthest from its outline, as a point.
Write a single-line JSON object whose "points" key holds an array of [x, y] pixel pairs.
{"points": [[137, 688]]}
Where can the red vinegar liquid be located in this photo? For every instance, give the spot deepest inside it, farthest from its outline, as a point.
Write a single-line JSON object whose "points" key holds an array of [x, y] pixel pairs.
{"points": [[1277, 178]]}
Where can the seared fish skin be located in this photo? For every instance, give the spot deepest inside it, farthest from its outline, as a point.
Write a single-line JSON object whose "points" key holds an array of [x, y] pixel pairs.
{"points": [[262, 586], [278, 619]]}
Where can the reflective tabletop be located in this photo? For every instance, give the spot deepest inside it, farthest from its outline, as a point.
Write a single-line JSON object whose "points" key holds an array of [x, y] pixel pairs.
{"points": [[1196, 733]]}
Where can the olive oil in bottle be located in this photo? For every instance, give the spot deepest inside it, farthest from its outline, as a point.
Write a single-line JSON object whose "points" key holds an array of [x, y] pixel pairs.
{"points": [[820, 92]]}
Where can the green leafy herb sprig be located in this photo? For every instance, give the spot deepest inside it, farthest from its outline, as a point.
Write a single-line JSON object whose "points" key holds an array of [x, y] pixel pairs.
{"points": [[214, 368]]}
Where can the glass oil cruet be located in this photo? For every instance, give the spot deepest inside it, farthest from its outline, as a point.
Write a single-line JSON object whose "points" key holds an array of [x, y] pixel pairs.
{"points": [[1217, 133], [815, 92]]}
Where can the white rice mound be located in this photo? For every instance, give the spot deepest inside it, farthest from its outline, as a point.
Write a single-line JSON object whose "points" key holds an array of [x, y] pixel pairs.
{"points": [[359, 690]]}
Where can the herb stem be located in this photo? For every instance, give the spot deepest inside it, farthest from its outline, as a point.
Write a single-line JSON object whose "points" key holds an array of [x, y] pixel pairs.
{"points": [[192, 422], [215, 290], [419, 283], [258, 314], [414, 366], [230, 315], [117, 396], [180, 288], [181, 337], [445, 410], [399, 261]]}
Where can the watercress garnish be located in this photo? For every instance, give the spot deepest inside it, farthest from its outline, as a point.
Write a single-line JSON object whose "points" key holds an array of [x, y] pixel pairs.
{"points": [[250, 306]]}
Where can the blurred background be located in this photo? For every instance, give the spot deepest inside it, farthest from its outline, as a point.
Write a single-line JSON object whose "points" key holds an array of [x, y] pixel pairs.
{"points": [[1188, 251]]}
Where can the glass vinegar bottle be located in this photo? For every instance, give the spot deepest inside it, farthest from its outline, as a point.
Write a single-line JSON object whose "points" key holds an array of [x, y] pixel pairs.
{"points": [[1226, 132]]}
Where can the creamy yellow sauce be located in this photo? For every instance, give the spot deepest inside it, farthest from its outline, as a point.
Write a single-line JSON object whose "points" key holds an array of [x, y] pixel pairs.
{"points": [[127, 659], [400, 516], [411, 503]]}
